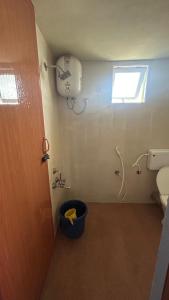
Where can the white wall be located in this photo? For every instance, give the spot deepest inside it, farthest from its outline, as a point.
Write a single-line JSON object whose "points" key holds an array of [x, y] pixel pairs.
{"points": [[51, 118], [89, 139]]}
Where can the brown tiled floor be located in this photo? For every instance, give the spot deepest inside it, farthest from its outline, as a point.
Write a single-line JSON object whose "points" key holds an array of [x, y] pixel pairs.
{"points": [[115, 258]]}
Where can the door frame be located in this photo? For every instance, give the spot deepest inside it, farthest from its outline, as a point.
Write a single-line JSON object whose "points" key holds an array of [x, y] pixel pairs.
{"points": [[160, 284]]}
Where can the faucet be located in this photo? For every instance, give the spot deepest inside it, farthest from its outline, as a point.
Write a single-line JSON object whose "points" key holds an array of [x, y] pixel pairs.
{"points": [[59, 182]]}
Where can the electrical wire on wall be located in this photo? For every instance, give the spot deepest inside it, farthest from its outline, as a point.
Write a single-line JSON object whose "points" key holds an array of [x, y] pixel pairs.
{"points": [[72, 104], [123, 188]]}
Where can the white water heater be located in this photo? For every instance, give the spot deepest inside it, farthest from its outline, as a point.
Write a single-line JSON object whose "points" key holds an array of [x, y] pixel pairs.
{"points": [[68, 76]]}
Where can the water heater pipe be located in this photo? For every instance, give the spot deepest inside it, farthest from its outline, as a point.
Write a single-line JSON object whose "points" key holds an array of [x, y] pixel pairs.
{"points": [[62, 74]]}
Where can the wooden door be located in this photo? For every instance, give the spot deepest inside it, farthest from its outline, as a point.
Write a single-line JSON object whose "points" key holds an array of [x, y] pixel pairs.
{"points": [[26, 234]]}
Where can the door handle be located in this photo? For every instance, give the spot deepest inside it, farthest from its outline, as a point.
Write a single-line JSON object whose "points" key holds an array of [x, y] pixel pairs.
{"points": [[45, 149]]}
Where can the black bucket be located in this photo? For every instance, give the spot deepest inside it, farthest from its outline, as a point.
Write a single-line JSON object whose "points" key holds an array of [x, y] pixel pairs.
{"points": [[76, 230]]}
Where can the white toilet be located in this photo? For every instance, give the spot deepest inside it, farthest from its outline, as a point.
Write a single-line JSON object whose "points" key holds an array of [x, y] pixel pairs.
{"points": [[162, 180], [158, 160]]}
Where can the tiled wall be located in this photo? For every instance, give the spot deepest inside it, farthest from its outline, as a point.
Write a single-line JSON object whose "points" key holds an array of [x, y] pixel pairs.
{"points": [[51, 118], [89, 139]]}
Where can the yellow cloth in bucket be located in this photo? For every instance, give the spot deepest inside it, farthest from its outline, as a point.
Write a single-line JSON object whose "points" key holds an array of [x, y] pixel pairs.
{"points": [[70, 214]]}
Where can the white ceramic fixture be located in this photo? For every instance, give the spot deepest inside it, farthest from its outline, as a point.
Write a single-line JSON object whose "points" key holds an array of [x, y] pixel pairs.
{"points": [[162, 180]]}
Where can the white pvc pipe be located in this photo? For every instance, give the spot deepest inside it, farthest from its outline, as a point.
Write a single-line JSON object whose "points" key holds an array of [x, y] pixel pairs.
{"points": [[123, 171], [138, 159]]}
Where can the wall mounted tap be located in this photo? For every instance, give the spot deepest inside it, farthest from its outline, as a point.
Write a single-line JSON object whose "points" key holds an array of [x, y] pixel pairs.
{"points": [[58, 182]]}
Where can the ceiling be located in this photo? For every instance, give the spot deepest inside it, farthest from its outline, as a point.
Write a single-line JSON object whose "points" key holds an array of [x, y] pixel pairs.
{"points": [[106, 29]]}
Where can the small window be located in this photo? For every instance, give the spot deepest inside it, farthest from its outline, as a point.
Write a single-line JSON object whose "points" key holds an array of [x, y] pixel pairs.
{"points": [[129, 84], [8, 89]]}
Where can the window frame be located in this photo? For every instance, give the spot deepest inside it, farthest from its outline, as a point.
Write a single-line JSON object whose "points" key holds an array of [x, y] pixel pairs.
{"points": [[5, 101], [142, 69]]}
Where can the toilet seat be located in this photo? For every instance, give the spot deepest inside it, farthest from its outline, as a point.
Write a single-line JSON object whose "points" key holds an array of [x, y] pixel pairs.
{"points": [[162, 180], [164, 201]]}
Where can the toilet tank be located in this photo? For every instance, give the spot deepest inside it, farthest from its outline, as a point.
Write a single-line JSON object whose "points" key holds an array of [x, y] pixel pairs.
{"points": [[157, 158]]}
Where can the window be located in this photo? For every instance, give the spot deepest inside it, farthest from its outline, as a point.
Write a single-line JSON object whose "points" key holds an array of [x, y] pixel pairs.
{"points": [[8, 89], [129, 84]]}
